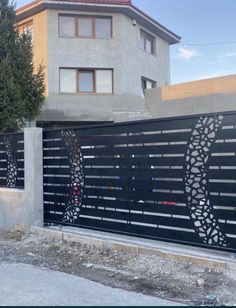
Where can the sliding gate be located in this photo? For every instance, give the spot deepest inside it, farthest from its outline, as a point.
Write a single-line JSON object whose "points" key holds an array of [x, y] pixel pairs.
{"points": [[170, 179]]}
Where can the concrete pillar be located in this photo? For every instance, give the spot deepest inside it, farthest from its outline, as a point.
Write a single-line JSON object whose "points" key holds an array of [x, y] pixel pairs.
{"points": [[33, 140]]}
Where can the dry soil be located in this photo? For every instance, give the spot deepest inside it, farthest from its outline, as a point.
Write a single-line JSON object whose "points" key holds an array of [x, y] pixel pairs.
{"points": [[148, 274]]}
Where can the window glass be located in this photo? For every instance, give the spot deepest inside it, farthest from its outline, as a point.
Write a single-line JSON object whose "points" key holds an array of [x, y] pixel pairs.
{"points": [[86, 81], [149, 43], [104, 81], [103, 28], [68, 80], [66, 26], [85, 27], [142, 40], [147, 84]]}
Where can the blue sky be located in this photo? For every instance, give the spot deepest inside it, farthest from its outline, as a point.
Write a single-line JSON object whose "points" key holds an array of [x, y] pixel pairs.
{"points": [[197, 22]]}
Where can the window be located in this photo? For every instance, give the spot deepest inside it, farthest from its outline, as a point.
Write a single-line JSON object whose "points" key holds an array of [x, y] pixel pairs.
{"points": [[103, 28], [104, 81], [86, 81], [68, 81], [27, 28], [147, 84], [67, 26], [85, 26], [147, 42]]}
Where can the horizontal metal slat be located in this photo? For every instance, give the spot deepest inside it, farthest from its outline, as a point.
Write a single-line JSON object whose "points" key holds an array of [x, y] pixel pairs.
{"points": [[221, 174], [135, 150], [140, 218], [222, 161], [223, 201], [138, 184], [135, 195], [123, 139], [134, 161], [139, 173], [226, 147], [56, 162], [222, 187], [56, 180]]}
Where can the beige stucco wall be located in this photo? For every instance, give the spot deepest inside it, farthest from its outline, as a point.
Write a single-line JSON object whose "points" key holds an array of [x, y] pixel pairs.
{"points": [[40, 41], [226, 84]]}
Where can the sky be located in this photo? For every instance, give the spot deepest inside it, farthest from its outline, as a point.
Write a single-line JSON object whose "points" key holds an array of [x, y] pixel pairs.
{"points": [[208, 35]]}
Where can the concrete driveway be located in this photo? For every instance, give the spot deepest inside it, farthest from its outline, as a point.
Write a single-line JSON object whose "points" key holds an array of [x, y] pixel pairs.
{"points": [[26, 285]]}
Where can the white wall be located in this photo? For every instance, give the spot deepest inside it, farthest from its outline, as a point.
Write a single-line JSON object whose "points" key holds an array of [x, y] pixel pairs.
{"points": [[190, 105], [122, 53]]}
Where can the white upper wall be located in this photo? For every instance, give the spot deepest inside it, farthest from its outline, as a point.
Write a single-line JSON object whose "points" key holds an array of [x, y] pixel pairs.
{"points": [[122, 53]]}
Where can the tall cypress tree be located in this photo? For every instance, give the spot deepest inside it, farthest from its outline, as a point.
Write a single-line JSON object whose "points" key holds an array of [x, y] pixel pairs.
{"points": [[21, 88]]}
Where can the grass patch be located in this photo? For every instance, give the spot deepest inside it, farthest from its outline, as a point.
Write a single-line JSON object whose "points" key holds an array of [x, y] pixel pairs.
{"points": [[13, 235]]}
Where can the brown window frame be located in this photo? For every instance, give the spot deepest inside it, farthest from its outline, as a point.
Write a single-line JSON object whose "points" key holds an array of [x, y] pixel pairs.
{"points": [[76, 25], [94, 70], [147, 34]]}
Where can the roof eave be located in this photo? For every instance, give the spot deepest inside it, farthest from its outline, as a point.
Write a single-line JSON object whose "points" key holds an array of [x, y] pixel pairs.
{"points": [[129, 10]]}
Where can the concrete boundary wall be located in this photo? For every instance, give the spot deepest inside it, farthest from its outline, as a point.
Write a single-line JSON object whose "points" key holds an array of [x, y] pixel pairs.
{"points": [[26, 205], [211, 103]]}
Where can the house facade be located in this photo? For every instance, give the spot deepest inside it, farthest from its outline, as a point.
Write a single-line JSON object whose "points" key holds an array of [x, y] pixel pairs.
{"points": [[99, 58]]}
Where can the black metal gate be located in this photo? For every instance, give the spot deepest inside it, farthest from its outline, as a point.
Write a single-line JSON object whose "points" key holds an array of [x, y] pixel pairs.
{"points": [[171, 179]]}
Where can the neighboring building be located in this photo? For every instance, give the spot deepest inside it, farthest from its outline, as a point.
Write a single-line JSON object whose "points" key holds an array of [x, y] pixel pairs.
{"points": [[99, 57], [196, 97]]}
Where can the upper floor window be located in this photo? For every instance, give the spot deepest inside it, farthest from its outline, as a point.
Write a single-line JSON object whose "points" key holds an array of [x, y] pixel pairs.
{"points": [[147, 42], [85, 26], [147, 84], [86, 81], [27, 28]]}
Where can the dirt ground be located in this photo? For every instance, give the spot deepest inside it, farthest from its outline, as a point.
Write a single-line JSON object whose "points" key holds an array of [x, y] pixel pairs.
{"points": [[151, 275]]}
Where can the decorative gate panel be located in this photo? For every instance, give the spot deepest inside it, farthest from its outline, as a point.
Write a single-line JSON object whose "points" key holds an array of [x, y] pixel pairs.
{"points": [[172, 179], [12, 160]]}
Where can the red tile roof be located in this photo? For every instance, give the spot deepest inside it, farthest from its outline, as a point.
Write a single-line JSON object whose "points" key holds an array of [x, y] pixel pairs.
{"points": [[118, 2], [106, 1], [127, 3]]}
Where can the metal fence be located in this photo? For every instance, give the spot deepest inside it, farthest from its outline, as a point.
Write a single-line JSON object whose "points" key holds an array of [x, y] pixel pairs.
{"points": [[12, 160], [171, 179]]}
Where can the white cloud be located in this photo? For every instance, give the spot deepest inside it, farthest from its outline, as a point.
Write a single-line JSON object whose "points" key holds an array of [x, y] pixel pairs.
{"points": [[227, 55], [187, 53]]}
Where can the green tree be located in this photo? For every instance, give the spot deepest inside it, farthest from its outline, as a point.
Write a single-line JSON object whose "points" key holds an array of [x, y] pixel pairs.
{"points": [[22, 87]]}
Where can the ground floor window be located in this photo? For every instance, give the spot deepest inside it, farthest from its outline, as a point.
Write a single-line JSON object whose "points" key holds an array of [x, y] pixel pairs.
{"points": [[86, 81], [147, 84]]}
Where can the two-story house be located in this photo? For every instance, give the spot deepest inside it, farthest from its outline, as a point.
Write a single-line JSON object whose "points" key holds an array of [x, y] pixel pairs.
{"points": [[99, 57]]}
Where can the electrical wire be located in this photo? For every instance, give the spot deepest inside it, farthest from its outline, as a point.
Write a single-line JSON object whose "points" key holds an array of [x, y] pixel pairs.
{"points": [[207, 44]]}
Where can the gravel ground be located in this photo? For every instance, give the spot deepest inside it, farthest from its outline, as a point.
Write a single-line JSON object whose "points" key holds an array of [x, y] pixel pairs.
{"points": [[151, 275]]}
